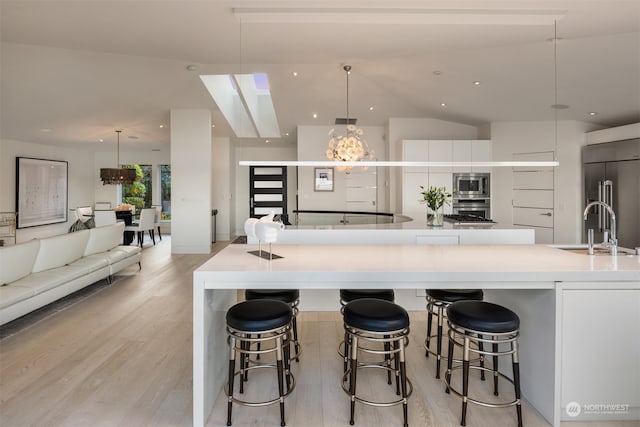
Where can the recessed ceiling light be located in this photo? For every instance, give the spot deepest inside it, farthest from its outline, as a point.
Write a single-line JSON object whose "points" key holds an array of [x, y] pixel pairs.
{"points": [[191, 67], [442, 104], [371, 108], [294, 74], [286, 134], [477, 83], [593, 113], [437, 72], [101, 140], [315, 115], [266, 141], [161, 126], [559, 106], [213, 126]]}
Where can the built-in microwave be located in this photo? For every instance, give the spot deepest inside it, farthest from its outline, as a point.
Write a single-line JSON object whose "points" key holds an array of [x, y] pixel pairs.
{"points": [[471, 185]]}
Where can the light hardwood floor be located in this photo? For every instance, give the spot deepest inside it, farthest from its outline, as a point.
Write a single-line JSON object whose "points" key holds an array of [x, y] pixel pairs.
{"points": [[122, 356]]}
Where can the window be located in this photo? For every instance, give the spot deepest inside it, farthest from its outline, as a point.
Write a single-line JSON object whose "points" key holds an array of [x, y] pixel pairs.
{"points": [[139, 193], [165, 191]]}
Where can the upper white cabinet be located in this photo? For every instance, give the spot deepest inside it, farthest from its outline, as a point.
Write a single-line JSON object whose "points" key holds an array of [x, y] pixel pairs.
{"points": [[438, 151], [481, 151]]}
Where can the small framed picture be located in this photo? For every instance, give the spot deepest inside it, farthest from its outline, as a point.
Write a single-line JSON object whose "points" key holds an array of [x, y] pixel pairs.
{"points": [[323, 179]]}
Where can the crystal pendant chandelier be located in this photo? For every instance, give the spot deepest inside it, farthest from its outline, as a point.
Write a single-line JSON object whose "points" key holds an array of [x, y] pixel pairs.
{"points": [[350, 147], [117, 175]]}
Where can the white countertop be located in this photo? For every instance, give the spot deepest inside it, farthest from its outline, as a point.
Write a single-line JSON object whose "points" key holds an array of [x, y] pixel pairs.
{"points": [[410, 224], [410, 266]]}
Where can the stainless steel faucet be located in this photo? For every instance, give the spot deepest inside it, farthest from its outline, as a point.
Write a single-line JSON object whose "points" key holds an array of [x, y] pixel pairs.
{"points": [[613, 240]]}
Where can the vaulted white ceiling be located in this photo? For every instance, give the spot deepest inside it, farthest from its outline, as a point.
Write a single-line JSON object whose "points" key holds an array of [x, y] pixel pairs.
{"points": [[74, 71]]}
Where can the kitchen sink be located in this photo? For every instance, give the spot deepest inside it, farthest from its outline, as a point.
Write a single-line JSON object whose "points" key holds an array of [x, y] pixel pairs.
{"points": [[597, 250]]}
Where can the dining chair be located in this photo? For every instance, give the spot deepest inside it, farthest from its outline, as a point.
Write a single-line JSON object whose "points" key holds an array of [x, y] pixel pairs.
{"points": [[146, 223], [83, 213], [102, 218], [102, 206], [156, 223]]}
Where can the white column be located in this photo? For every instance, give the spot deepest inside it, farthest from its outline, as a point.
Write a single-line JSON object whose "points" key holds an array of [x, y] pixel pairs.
{"points": [[190, 181]]}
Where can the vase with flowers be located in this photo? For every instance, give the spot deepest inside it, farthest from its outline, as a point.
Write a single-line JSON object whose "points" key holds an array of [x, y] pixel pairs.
{"points": [[435, 198]]}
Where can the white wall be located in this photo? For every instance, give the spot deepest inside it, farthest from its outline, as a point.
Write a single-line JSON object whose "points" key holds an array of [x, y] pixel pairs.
{"points": [[521, 137], [241, 204], [312, 145], [221, 195], [418, 128], [80, 174]]}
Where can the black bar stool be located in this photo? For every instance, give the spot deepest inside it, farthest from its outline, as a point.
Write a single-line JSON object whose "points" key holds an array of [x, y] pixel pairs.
{"points": [[368, 322], [483, 322], [289, 296], [258, 321], [348, 295], [437, 301]]}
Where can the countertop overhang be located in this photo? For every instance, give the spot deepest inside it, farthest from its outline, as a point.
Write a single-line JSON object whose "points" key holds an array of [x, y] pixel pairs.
{"points": [[411, 266]]}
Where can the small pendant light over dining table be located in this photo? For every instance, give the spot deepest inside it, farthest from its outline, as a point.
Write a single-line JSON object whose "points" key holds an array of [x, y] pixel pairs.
{"points": [[117, 175]]}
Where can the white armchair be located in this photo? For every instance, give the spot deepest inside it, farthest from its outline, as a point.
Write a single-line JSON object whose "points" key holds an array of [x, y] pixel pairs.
{"points": [[146, 223]]}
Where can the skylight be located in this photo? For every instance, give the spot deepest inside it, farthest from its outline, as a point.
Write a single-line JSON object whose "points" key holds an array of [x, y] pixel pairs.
{"points": [[245, 101]]}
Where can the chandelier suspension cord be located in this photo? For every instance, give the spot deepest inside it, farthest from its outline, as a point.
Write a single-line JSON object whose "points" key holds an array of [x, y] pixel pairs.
{"points": [[347, 68], [118, 151], [555, 87]]}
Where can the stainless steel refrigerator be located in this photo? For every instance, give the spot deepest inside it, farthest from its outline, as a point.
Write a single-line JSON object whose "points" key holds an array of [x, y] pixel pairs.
{"points": [[612, 175]]}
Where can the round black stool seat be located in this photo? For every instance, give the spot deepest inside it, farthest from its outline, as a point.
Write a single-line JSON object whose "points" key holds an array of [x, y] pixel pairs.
{"points": [[285, 295], [348, 295], [456, 294], [375, 315], [259, 315], [483, 316]]}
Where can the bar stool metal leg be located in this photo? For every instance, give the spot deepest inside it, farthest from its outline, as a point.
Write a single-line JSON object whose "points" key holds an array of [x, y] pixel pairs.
{"points": [[353, 376]]}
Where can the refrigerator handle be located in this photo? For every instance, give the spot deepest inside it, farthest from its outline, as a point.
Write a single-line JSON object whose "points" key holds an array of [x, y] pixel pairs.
{"points": [[599, 208]]}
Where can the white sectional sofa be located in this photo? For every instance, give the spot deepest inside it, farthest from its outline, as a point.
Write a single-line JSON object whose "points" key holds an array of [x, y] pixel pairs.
{"points": [[38, 272]]}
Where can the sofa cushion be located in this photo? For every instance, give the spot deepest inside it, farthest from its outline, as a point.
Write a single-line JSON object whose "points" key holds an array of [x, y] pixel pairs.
{"points": [[10, 295], [60, 250], [102, 239], [49, 279], [122, 252], [17, 261]]}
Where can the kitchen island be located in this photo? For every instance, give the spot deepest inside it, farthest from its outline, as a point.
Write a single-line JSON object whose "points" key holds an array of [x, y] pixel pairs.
{"points": [[535, 281]]}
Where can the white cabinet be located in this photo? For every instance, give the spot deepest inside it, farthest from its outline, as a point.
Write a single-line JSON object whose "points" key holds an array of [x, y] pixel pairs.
{"points": [[417, 151], [481, 151], [600, 338], [440, 151], [533, 194], [411, 182], [437, 151]]}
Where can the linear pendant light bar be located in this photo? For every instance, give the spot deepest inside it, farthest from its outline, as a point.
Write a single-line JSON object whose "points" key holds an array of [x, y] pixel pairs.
{"points": [[398, 15], [328, 163]]}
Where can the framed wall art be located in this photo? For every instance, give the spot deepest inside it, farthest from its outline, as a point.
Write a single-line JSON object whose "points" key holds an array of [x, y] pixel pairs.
{"points": [[41, 191], [323, 179]]}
